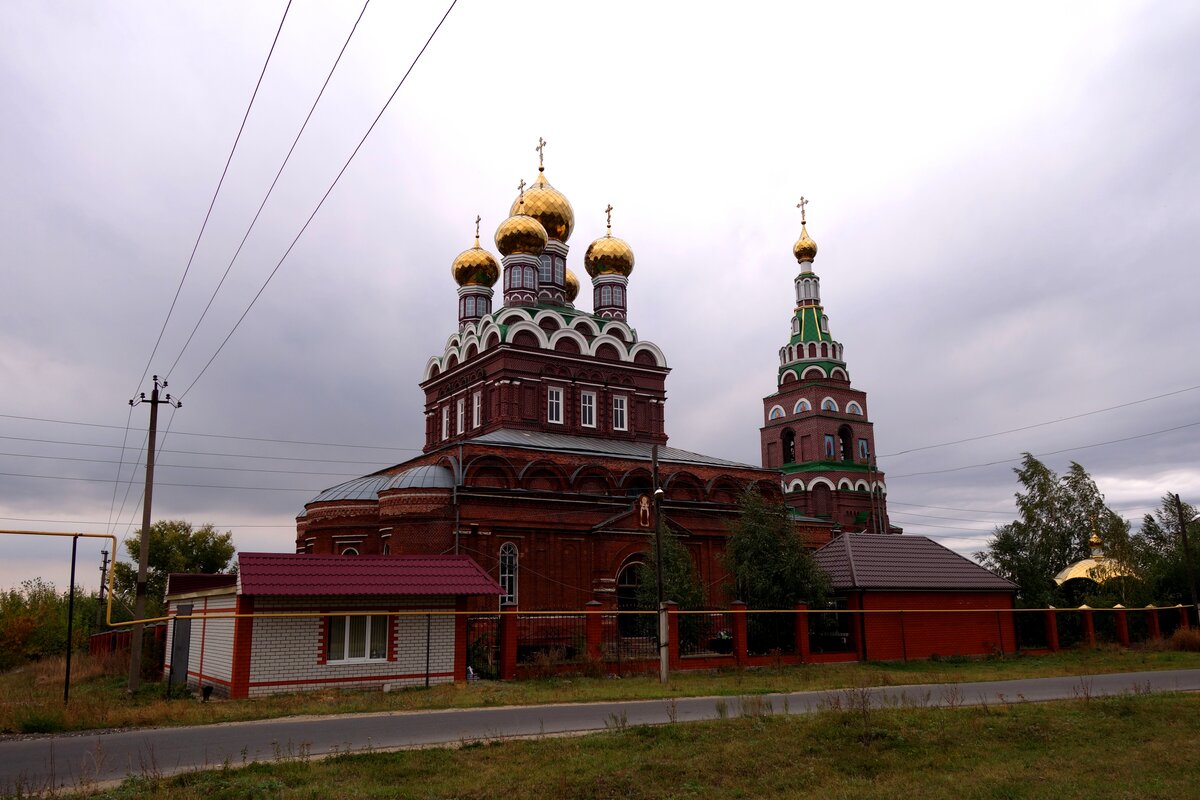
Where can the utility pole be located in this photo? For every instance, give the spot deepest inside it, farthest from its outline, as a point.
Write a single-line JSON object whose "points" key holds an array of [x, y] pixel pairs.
{"points": [[1187, 553], [103, 576], [664, 628], [139, 604]]}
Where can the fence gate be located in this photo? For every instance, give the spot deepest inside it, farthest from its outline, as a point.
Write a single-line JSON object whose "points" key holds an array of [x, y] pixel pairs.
{"points": [[181, 644], [483, 645]]}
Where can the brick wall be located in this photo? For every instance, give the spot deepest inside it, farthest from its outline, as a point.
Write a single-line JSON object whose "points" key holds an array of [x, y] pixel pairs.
{"points": [[210, 650], [917, 635]]}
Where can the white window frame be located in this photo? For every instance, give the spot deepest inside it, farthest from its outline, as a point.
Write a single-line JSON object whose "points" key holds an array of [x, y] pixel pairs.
{"points": [[509, 568], [476, 409], [587, 409], [620, 413], [372, 620], [460, 414], [554, 405], [445, 422]]}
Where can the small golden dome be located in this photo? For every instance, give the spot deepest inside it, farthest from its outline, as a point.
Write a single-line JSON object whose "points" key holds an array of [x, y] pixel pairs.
{"points": [[521, 233], [548, 206], [608, 255], [475, 267], [572, 287], [805, 249], [1094, 540]]}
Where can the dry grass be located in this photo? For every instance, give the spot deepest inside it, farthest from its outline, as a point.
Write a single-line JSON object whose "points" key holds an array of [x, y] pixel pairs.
{"points": [[31, 697], [1121, 747]]}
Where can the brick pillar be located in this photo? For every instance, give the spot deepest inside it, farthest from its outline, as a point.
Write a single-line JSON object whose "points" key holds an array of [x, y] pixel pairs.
{"points": [[243, 633], [1089, 626], [460, 638], [673, 661], [1122, 625], [857, 625], [594, 631], [508, 641], [1184, 624], [802, 648], [1152, 619], [1051, 622], [738, 614]]}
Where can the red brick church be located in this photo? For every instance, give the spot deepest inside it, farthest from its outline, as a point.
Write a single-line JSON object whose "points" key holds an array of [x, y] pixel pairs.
{"points": [[541, 418]]}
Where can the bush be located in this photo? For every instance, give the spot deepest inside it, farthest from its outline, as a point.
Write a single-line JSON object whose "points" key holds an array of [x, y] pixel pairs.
{"points": [[1186, 639]]}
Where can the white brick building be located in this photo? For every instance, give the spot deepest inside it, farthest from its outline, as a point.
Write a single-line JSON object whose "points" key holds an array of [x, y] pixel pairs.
{"points": [[291, 622]]}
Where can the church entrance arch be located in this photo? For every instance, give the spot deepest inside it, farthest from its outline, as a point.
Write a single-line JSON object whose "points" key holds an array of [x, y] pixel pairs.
{"points": [[629, 583]]}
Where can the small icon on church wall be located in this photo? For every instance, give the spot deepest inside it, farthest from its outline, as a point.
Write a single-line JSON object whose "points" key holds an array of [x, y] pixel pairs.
{"points": [[643, 504]]}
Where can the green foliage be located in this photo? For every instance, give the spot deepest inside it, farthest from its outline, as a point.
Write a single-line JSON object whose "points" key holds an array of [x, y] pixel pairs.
{"points": [[681, 583], [33, 621], [769, 565], [1157, 553], [1055, 521], [174, 547]]}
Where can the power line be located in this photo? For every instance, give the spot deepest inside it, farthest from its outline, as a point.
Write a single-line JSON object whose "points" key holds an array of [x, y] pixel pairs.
{"points": [[270, 190], [1042, 424], [948, 508], [324, 197], [161, 483], [212, 435], [97, 522], [187, 466], [1051, 453], [217, 191]]}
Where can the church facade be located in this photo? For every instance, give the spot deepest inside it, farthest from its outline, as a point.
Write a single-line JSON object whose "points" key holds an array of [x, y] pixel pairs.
{"points": [[545, 423]]}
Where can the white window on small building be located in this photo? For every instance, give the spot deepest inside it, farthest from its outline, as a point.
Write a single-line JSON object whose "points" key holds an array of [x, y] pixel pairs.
{"points": [[554, 405], [587, 409], [476, 409], [508, 572], [619, 421], [445, 422], [357, 638], [460, 414]]}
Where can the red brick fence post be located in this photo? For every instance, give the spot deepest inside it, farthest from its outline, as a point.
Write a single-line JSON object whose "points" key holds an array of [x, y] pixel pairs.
{"points": [[1051, 623], [594, 631], [1152, 618], [673, 661], [1089, 625], [738, 612], [1122, 625], [802, 645], [508, 641]]}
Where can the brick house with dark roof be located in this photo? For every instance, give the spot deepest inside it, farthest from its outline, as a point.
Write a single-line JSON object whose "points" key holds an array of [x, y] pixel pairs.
{"points": [[951, 605], [369, 622]]}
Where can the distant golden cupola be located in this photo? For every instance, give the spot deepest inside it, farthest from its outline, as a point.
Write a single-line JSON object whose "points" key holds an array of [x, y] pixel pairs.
{"points": [[572, 287], [520, 234], [475, 267], [805, 249], [608, 255], [548, 206]]}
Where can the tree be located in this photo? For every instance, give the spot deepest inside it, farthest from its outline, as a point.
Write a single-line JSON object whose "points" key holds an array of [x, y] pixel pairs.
{"points": [[174, 547], [1056, 519], [33, 621], [769, 565], [681, 583], [1158, 552]]}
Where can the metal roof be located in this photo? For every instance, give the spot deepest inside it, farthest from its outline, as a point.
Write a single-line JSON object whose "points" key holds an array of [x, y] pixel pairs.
{"points": [[426, 476], [595, 446], [902, 562], [296, 574], [368, 487], [187, 582], [364, 488]]}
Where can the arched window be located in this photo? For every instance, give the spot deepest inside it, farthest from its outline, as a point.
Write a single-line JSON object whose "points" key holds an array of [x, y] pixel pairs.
{"points": [[619, 295], [349, 551], [824, 350], [802, 405], [530, 278], [789, 446], [470, 305], [545, 269], [846, 440], [559, 267], [829, 404], [854, 408], [776, 412], [508, 572], [606, 295], [812, 350]]}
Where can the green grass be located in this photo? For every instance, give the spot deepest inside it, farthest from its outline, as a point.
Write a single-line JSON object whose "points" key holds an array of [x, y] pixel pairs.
{"points": [[1135, 746], [31, 697]]}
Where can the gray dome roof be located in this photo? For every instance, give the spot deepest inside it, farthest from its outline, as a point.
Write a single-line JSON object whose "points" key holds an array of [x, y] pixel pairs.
{"points": [[427, 476], [365, 488]]}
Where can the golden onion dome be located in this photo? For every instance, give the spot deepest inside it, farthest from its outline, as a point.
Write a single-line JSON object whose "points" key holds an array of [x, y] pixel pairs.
{"points": [[475, 267], [572, 287], [805, 249], [608, 255], [522, 234], [1094, 540], [548, 206]]}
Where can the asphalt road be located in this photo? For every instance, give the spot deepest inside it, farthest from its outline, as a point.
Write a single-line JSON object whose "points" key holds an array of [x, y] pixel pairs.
{"points": [[40, 763]]}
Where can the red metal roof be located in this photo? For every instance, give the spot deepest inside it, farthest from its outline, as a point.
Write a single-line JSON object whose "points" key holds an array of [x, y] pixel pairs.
{"points": [[187, 582], [306, 574]]}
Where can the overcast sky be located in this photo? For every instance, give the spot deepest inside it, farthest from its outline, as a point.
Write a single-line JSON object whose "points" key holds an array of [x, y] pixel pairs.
{"points": [[1004, 197]]}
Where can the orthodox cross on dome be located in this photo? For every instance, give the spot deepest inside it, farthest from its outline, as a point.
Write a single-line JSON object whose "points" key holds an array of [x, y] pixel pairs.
{"points": [[608, 211], [541, 148], [478, 219], [521, 189], [803, 202]]}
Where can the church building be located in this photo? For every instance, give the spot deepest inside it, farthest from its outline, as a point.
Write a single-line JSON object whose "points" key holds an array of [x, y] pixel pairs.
{"points": [[543, 422]]}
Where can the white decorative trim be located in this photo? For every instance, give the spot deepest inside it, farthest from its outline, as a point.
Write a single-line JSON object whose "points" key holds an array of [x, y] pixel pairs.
{"points": [[802, 402], [861, 486], [854, 408], [828, 399], [771, 412], [845, 485], [526, 325], [820, 480], [796, 486], [569, 333], [810, 368]]}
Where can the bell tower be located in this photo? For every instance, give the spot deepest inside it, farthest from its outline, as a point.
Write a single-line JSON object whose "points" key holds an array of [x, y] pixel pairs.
{"points": [[816, 430]]}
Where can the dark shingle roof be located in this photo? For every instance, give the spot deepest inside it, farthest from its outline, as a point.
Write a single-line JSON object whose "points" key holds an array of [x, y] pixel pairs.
{"points": [[296, 574], [187, 582], [876, 561]]}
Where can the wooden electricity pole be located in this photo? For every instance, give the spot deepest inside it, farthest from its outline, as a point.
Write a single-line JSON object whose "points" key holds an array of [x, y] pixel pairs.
{"points": [[139, 604]]}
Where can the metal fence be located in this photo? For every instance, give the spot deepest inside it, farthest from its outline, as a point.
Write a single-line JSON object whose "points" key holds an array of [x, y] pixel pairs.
{"points": [[707, 633], [483, 645], [547, 640]]}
